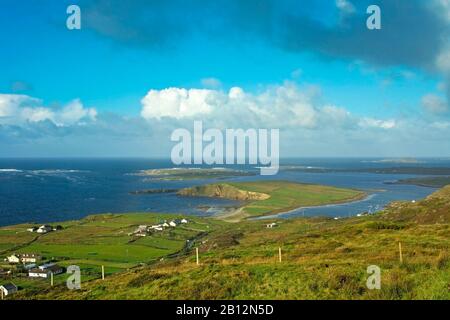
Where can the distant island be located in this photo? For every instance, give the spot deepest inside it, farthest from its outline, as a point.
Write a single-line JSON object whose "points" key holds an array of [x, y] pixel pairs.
{"points": [[264, 198], [170, 174], [419, 170], [432, 182], [393, 160]]}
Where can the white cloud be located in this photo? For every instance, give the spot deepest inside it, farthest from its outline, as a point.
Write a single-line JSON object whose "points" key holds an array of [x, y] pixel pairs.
{"points": [[74, 112], [10, 103], [283, 106], [18, 109], [377, 123], [443, 61], [178, 103], [434, 104]]}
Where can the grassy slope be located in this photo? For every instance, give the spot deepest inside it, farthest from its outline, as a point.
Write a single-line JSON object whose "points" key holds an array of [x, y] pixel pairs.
{"points": [[100, 240], [322, 259], [283, 195]]}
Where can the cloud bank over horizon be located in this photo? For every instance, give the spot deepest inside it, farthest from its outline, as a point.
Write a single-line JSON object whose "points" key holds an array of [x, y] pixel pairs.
{"points": [[309, 126]]}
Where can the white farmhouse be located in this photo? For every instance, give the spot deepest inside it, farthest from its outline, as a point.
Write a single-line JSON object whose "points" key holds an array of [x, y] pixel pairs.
{"points": [[44, 229], [45, 271], [15, 258], [8, 289], [172, 224], [29, 258]]}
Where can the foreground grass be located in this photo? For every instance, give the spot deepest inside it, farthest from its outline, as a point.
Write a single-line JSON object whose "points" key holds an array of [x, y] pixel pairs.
{"points": [[321, 259]]}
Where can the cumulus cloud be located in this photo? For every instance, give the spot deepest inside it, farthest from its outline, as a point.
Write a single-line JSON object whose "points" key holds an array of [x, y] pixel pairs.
{"points": [[178, 103], [19, 109], [287, 106]]}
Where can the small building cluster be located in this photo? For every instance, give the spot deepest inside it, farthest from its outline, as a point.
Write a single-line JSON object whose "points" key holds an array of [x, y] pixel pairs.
{"points": [[44, 229], [23, 258], [144, 230], [29, 263], [45, 270]]}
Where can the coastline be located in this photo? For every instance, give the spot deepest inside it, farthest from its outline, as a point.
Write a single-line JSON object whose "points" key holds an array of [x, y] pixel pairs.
{"points": [[239, 214], [330, 205]]}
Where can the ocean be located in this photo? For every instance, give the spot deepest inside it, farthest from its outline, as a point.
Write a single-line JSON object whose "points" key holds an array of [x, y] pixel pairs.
{"points": [[49, 190]]}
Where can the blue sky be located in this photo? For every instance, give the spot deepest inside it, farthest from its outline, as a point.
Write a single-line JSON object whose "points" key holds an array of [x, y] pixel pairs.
{"points": [[84, 89]]}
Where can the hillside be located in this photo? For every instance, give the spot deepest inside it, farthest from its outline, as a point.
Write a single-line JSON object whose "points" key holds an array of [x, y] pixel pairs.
{"points": [[101, 240], [321, 259], [434, 209]]}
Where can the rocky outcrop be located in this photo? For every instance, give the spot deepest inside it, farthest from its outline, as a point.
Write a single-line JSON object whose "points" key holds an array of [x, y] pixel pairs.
{"points": [[223, 191]]}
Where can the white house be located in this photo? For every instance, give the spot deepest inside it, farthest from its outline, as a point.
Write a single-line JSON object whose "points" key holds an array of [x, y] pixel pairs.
{"points": [[140, 234], [29, 258], [184, 221], [32, 229], [166, 225], [37, 273], [8, 289], [172, 224], [15, 258], [271, 225], [141, 228], [44, 229], [45, 271]]}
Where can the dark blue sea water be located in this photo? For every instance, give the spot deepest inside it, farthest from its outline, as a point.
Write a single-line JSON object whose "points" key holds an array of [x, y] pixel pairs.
{"points": [[47, 190]]}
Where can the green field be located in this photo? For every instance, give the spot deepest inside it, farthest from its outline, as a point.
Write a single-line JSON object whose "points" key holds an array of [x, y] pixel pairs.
{"points": [[100, 240]]}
